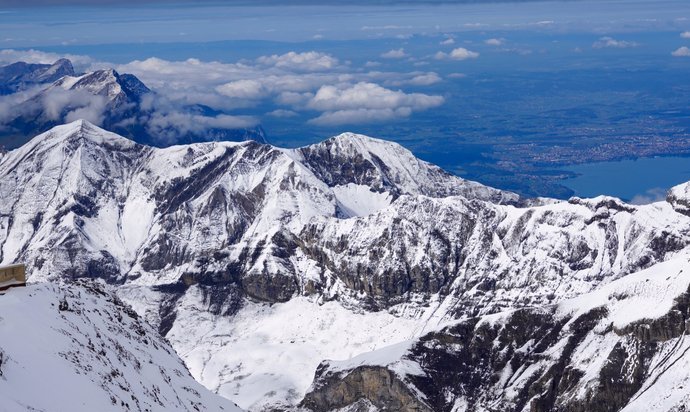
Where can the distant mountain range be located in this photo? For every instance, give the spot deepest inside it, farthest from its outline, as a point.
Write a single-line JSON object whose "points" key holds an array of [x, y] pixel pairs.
{"points": [[54, 94], [20, 76], [349, 275]]}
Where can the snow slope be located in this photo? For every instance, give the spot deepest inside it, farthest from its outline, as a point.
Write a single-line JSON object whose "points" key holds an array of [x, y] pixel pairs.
{"points": [[97, 355]]}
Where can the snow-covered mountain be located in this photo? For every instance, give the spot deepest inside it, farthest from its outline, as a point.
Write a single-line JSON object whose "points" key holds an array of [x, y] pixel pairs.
{"points": [[258, 262], [118, 102], [77, 347], [20, 75]]}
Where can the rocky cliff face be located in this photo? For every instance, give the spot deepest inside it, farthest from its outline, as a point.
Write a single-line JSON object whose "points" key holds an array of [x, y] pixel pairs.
{"points": [[615, 349], [204, 237]]}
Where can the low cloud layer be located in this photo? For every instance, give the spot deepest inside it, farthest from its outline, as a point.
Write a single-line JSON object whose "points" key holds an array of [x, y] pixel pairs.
{"points": [[494, 42], [308, 61], [311, 84], [460, 53], [366, 103], [394, 54], [681, 52], [611, 43], [293, 83], [55, 104], [656, 194]]}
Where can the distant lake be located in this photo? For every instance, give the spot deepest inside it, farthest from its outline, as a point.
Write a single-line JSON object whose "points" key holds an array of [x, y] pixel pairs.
{"points": [[641, 180]]}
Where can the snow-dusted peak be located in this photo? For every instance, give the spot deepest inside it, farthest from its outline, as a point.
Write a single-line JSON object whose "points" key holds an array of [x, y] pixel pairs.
{"points": [[60, 67], [78, 130], [386, 166], [679, 198], [101, 82], [107, 83]]}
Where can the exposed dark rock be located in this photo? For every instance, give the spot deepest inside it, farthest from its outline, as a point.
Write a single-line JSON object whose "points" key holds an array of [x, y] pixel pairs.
{"points": [[379, 386], [476, 361]]}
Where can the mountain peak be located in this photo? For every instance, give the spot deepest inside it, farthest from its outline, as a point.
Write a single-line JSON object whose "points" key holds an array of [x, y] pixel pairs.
{"points": [[61, 68], [80, 130], [20, 75]]}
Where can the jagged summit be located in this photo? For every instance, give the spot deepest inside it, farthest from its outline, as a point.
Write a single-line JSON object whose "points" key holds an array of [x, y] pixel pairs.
{"points": [[61, 67], [108, 83]]}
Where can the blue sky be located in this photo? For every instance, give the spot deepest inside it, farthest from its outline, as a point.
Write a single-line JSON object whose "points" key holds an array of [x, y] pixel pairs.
{"points": [[162, 22]]}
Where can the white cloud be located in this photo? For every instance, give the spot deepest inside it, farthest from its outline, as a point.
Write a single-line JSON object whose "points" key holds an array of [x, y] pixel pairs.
{"points": [[610, 42], [68, 105], [372, 64], [293, 81], [447, 41], [211, 83], [460, 53], [366, 102], [457, 75], [359, 116], [294, 99], [681, 52], [243, 89], [172, 125], [650, 196], [425, 79], [282, 113], [370, 96], [307, 61], [394, 54], [54, 104], [94, 112], [685, 35], [494, 42]]}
